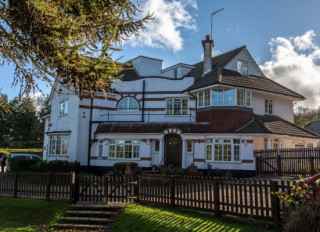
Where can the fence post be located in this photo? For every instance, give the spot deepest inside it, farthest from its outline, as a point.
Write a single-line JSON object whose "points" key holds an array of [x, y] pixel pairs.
{"points": [[216, 196], [312, 165], [15, 187], [279, 163], [76, 187], [48, 185], [257, 165], [172, 191], [137, 189], [72, 184], [275, 203]]}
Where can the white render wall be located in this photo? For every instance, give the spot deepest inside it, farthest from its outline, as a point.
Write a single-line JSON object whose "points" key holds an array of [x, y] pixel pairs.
{"points": [[68, 122], [244, 56], [282, 107]]}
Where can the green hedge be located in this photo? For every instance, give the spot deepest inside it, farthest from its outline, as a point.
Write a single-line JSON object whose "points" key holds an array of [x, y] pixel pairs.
{"points": [[29, 151], [20, 165]]}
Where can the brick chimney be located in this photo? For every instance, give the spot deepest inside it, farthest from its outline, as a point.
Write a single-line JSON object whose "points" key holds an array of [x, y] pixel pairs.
{"points": [[207, 54]]}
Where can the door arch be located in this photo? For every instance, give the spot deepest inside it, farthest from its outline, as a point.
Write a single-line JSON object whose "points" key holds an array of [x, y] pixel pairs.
{"points": [[173, 150]]}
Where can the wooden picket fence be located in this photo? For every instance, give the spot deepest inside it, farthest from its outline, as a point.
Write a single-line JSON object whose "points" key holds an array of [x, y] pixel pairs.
{"points": [[289, 162], [239, 197]]}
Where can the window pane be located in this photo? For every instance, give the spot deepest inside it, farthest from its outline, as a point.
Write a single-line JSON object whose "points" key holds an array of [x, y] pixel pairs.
{"points": [[135, 151], [65, 145], [157, 145], [217, 96], [200, 98], [169, 106], [184, 106], [100, 150], [209, 140], [236, 141], [128, 104], [229, 97], [112, 150], [177, 108], [209, 152], [120, 151], [58, 145], [112, 141], [136, 141], [218, 152], [128, 151], [227, 152], [207, 98], [248, 99], [236, 153], [240, 97], [66, 107], [189, 146], [52, 145]]}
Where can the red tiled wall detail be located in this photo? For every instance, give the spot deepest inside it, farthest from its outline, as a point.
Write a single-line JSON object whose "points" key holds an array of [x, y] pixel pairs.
{"points": [[198, 160], [247, 161], [145, 158]]}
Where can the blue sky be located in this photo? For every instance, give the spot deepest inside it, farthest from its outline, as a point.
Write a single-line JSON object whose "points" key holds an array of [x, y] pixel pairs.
{"points": [[248, 22]]}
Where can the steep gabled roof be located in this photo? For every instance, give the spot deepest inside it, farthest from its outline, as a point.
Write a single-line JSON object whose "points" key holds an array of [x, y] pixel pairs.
{"points": [[271, 124], [219, 75]]}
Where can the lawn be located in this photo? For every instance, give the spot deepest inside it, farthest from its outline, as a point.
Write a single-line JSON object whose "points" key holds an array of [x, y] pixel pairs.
{"points": [[150, 218], [28, 214]]}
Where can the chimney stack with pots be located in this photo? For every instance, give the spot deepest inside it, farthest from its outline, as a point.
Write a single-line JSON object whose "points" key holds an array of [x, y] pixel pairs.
{"points": [[207, 47]]}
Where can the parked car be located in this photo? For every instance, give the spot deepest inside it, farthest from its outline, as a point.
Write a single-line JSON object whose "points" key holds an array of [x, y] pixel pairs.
{"points": [[23, 156]]}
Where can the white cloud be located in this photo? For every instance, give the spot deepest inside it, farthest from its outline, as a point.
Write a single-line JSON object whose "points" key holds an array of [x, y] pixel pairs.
{"points": [[295, 63], [171, 17], [233, 28]]}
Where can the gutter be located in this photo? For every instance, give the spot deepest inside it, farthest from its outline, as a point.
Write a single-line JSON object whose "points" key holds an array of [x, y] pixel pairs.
{"points": [[90, 131], [143, 98]]}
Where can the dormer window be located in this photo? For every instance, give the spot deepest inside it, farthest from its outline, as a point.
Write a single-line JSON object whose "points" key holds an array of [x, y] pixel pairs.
{"points": [[175, 74], [128, 104], [243, 67]]}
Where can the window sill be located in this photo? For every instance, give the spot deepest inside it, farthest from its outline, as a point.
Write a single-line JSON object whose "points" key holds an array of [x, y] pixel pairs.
{"points": [[117, 159], [224, 162], [57, 156]]}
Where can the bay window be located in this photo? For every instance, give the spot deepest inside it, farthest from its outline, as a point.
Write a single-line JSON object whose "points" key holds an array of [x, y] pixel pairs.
{"points": [[177, 106], [58, 145], [124, 149], [224, 96], [223, 150]]}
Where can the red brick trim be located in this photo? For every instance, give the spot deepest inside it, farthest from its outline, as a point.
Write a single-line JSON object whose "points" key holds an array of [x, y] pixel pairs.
{"points": [[145, 158], [96, 107], [248, 141], [198, 160], [192, 99], [94, 140], [154, 92], [154, 109], [107, 99], [199, 141], [104, 158], [93, 157], [143, 140], [154, 99], [247, 161]]}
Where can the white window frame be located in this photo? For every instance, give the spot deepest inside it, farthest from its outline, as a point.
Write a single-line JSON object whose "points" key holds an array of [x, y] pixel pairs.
{"points": [[267, 104], [213, 141], [155, 145], [64, 107], [243, 69], [127, 109], [100, 146], [246, 92], [171, 109], [187, 144], [63, 138], [110, 143]]}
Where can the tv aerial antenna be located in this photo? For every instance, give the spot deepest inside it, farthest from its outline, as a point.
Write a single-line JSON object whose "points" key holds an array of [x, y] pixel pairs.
{"points": [[213, 13]]}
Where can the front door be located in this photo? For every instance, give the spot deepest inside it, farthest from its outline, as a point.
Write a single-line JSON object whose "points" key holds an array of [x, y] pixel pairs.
{"points": [[173, 150]]}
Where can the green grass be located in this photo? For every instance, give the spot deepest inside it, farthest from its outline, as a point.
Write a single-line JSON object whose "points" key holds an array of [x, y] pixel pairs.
{"points": [[157, 219], [28, 214]]}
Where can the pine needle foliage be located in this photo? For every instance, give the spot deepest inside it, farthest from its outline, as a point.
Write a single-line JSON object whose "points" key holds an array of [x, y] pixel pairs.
{"points": [[69, 41]]}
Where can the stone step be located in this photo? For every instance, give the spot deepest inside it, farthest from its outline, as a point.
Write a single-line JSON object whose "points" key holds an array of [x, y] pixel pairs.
{"points": [[84, 227], [86, 220], [84, 213], [97, 207]]}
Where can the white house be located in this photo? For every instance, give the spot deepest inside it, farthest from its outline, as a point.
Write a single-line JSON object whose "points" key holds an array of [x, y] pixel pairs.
{"points": [[217, 112]]}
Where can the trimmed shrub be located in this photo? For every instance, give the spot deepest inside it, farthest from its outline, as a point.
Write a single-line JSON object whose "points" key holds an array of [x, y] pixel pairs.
{"points": [[119, 168], [20, 165]]}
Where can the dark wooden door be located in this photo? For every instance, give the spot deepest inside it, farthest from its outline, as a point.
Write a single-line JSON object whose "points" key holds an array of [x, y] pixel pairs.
{"points": [[173, 150]]}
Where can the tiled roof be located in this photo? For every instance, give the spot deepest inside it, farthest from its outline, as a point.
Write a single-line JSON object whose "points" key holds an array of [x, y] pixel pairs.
{"points": [[314, 127], [234, 78], [275, 125]]}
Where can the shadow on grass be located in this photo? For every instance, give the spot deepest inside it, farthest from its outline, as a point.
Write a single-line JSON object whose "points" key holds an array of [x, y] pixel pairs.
{"points": [[150, 218]]}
